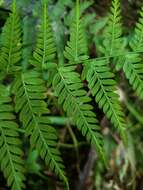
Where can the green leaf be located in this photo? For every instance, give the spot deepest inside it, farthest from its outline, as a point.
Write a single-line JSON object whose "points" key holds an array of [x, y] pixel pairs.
{"points": [[11, 51], [71, 95], [103, 86], [76, 49], [11, 154], [30, 94]]}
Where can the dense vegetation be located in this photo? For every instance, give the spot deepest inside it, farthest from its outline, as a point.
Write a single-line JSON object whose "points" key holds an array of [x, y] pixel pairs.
{"points": [[71, 91]]}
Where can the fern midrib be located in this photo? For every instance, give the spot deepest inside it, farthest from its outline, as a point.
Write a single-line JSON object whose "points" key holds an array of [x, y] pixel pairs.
{"points": [[28, 99], [41, 135], [11, 42], [77, 30], [11, 162], [79, 111], [50, 154], [113, 32], [113, 111], [45, 31]]}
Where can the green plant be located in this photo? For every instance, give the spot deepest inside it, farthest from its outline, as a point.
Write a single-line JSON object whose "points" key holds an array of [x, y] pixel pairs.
{"points": [[76, 83]]}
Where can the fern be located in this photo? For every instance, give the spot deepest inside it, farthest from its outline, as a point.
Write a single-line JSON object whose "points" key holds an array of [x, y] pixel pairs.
{"points": [[11, 42], [113, 41], [133, 69], [10, 152], [76, 49], [136, 42], [72, 96], [102, 86], [30, 89], [130, 62], [30, 93], [45, 51]]}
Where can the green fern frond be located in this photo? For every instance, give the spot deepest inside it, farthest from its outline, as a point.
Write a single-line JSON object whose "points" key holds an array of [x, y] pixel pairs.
{"points": [[102, 86], [113, 42], [69, 90], [11, 161], [133, 69], [45, 51], [137, 41], [76, 49], [11, 42], [30, 93]]}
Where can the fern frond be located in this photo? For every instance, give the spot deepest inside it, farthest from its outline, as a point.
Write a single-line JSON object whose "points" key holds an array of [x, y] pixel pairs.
{"points": [[69, 90], [11, 42], [137, 41], [76, 49], [11, 161], [30, 93], [45, 51], [113, 42], [133, 69], [102, 86]]}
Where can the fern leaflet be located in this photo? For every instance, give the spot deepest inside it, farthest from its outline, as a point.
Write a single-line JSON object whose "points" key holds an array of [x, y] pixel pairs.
{"points": [[136, 43], [102, 86], [76, 49], [11, 161], [45, 51], [30, 90], [69, 90], [133, 69], [113, 42], [11, 42]]}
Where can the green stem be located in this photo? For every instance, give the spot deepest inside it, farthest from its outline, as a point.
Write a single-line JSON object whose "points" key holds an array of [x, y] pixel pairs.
{"points": [[75, 141], [70, 146], [55, 121], [134, 112]]}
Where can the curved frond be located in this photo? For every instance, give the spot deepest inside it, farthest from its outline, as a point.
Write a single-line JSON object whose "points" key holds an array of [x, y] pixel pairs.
{"points": [[45, 52], [11, 161], [76, 49], [72, 96], [136, 42], [11, 42], [30, 93], [102, 86], [133, 69]]}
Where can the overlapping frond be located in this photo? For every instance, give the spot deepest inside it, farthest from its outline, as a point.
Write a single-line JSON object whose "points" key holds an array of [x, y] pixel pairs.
{"points": [[11, 161], [69, 90], [133, 69], [102, 86], [76, 49], [45, 51], [136, 42], [11, 42], [113, 42], [30, 93]]}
